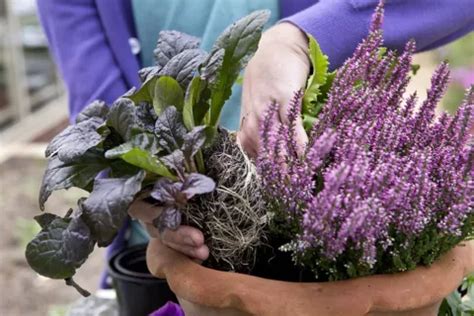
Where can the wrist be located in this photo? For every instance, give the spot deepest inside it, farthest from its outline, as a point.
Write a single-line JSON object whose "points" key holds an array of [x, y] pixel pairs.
{"points": [[286, 34]]}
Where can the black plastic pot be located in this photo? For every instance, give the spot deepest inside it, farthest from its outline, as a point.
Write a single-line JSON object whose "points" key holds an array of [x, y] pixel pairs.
{"points": [[138, 292]]}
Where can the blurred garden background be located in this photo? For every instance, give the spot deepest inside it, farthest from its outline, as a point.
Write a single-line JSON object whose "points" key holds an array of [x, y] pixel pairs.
{"points": [[33, 108]]}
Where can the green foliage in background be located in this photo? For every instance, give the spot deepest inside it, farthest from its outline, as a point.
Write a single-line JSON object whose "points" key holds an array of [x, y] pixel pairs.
{"points": [[460, 302]]}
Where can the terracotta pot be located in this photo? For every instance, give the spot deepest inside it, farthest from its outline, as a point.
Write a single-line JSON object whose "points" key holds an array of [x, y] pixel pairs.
{"points": [[202, 291]]}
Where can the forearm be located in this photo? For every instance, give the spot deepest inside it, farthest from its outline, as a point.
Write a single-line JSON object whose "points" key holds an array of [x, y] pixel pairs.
{"points": [[339, 25]]}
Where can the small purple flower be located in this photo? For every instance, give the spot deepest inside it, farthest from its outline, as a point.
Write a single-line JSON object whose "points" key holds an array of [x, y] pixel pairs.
{"points": [[169, 309]]}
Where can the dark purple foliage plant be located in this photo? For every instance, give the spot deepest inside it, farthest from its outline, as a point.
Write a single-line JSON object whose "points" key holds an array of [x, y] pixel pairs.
{"points": [[160, 141], [381, 187]]}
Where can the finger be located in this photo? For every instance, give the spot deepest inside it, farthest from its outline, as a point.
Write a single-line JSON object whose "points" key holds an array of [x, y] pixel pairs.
{"points": [[184, 236], [247, 136], [300, 133], [152, 230], [144, 211], [249, 144], [158, 256], [196, 253], [301, 137]]}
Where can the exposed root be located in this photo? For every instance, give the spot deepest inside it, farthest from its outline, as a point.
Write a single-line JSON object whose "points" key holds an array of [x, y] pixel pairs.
{"points": [[233, 217]]}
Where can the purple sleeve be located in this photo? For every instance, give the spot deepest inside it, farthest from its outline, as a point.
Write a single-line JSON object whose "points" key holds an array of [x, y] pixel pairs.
{"points": [[81, 51], [339, 25]]}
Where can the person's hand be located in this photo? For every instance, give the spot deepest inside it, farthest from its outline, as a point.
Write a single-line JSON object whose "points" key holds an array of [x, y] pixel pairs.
{"points": [[278, 69], [186, 239]]}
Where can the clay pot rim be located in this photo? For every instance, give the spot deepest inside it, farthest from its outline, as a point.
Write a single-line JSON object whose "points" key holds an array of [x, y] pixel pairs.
{"points": [[190, 281]]}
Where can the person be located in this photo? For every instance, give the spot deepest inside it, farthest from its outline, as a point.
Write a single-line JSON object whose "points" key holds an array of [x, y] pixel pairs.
{"points": [[95, 45]]}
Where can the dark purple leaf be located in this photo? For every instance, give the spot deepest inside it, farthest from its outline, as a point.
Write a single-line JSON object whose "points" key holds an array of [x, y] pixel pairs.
{"points": [[169, 218], [197, 183], [122, 117], [147, 73], [106, 207], [146, 117], [95, 109], [171, 43], [45, 219], [61, 175], [183, 66], [62, 246], [174, 161], [75, 140], [193, 141], [170, 129], [167, 191], [212, 64], [130, 92]]}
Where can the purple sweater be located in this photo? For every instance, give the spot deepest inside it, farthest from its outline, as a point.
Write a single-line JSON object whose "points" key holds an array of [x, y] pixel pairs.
{"points": [[89, 39]]}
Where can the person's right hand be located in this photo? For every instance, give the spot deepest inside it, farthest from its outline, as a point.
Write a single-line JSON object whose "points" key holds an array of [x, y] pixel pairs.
{"points": [[279, 68], [186, 239]]}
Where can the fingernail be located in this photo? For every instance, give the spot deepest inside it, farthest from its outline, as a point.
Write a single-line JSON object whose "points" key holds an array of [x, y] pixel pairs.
{"points": [[189, 241]]}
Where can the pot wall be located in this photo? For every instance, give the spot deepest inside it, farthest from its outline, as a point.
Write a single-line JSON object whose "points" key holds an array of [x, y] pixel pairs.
{"points": [[204, 291]]}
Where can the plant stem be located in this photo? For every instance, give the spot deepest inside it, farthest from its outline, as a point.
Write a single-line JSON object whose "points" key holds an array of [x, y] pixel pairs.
{"points": [[71, 282], [200, 162]]}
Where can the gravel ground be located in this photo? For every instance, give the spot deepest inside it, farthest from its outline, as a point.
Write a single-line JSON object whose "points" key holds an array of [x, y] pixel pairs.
{"points": [[23, 292]]}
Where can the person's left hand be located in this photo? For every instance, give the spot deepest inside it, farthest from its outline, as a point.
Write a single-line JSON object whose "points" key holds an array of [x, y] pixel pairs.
{"points": [[158, 256]]}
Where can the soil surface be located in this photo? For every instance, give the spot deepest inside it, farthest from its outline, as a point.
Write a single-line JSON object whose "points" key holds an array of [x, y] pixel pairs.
{"points": [[22, 291]]}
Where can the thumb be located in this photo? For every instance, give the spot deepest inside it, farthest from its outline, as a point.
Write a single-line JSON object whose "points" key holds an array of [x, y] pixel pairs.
{"points": [[301, 137], [291, 104]]}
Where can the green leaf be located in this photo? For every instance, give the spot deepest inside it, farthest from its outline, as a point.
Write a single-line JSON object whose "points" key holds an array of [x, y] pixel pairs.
{"points": [[194, 103], [308, 122], [415, 68], [325, 88], [239, 41], [240, 80], [381, 53], [167, 92], [60, 175], [123, 118], [146, 91], [145, 141], [122, 169], [61, 247], [75, 140], [320, 64], [105, 210], [445, 309], [146, 161]]}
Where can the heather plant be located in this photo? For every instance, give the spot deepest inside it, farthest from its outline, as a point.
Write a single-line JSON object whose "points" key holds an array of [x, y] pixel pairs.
{"points": [[381, 187]]}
